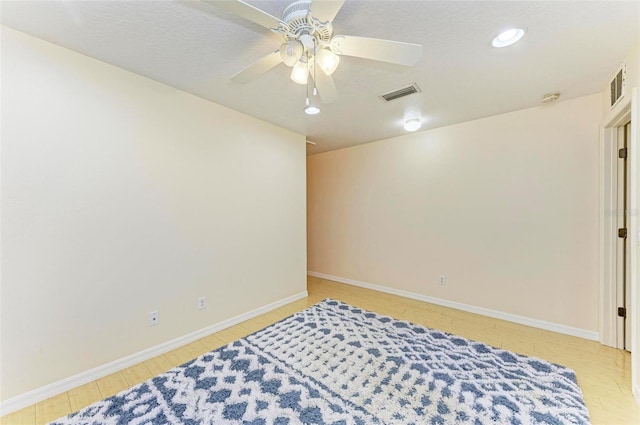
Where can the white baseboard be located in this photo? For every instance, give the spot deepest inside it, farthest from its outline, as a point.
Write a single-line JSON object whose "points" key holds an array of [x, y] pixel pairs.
{"points": [[541, 324], [34, 396]]}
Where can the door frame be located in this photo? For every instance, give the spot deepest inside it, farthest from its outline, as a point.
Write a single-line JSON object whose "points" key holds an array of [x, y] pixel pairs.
{"points": [[609, 226], [627, 110]]}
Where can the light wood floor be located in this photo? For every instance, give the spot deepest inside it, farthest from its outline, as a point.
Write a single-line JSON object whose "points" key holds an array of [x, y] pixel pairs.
{"points": [[603, 373]]}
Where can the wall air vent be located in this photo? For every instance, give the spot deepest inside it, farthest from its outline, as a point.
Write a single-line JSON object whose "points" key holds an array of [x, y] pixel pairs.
{"points": [[396, 94], [618, 85]]}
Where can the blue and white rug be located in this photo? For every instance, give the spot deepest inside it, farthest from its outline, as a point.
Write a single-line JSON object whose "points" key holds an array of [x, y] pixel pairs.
{"points": [[337, 364]]}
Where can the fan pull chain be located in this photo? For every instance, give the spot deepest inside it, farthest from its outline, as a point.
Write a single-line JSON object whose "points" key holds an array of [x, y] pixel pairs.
{"points": [[307, 101], [315, 65]]}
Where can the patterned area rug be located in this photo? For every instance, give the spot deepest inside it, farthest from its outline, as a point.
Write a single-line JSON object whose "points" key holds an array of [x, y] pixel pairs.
{"points": [[337, 364]]}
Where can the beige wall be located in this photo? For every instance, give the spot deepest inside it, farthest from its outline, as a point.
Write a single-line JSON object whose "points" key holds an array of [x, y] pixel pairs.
{"points": [[120, 196], [505, 207]]}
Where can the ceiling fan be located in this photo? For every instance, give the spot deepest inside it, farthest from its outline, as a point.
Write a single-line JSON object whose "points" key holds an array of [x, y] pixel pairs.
{"points": [[309, 43]]}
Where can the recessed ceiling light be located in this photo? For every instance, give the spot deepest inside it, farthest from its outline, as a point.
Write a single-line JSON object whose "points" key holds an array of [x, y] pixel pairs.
{"points": [[412, 124], [508, 37]]}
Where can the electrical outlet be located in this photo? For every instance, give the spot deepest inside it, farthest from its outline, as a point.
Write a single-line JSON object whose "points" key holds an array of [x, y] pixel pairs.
{"points": [[443, 280], [154, 318], [202, 303]]}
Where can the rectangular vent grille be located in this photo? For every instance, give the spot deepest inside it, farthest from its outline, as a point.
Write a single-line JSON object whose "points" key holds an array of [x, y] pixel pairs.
{"points": [[396, 94], [618, 85]]}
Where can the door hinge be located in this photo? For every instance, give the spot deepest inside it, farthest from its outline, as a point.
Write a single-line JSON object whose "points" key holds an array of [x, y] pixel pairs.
{"points": [[622, 312], [622, 153], [622, 233]]}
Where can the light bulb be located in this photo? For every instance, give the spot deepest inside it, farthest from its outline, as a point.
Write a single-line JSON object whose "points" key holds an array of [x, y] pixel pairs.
{"points": [[327, 61], [300, 73]]}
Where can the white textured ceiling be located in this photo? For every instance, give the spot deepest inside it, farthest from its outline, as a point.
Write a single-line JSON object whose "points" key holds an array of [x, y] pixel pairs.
{"points": [[571, 47]]}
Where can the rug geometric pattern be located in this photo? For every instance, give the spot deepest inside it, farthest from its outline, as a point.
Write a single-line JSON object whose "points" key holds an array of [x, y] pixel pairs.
{"points": [[337, 364]]}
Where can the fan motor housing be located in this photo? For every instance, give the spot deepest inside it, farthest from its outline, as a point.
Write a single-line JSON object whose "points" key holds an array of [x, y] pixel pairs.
{"points": [[296, 10], [300, 22]]}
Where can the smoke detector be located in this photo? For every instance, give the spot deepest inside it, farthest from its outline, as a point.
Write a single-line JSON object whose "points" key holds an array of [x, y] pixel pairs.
{"points": [[550, 97]]}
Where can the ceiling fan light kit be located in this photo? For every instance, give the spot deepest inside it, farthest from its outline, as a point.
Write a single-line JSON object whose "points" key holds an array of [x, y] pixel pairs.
{"points": [[307, 29]]}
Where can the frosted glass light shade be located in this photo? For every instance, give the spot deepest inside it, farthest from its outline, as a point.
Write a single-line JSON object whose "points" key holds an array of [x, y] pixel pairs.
{"points": [[300, 73], [327, 61], [290, 52]]}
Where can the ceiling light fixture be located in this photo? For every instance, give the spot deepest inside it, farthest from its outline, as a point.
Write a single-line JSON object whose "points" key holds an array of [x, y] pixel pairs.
{"points": [[508, 37], [325, 58], [412, 124]]}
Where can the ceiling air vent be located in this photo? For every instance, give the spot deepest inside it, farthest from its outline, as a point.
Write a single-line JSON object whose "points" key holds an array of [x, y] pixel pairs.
{"points": [[618, 85], [396, 94]]}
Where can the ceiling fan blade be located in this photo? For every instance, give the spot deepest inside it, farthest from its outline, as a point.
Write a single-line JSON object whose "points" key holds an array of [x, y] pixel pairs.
{"points": [[247, 11], [377, 49], [258, 68], [326, 88], [325, 10]]}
